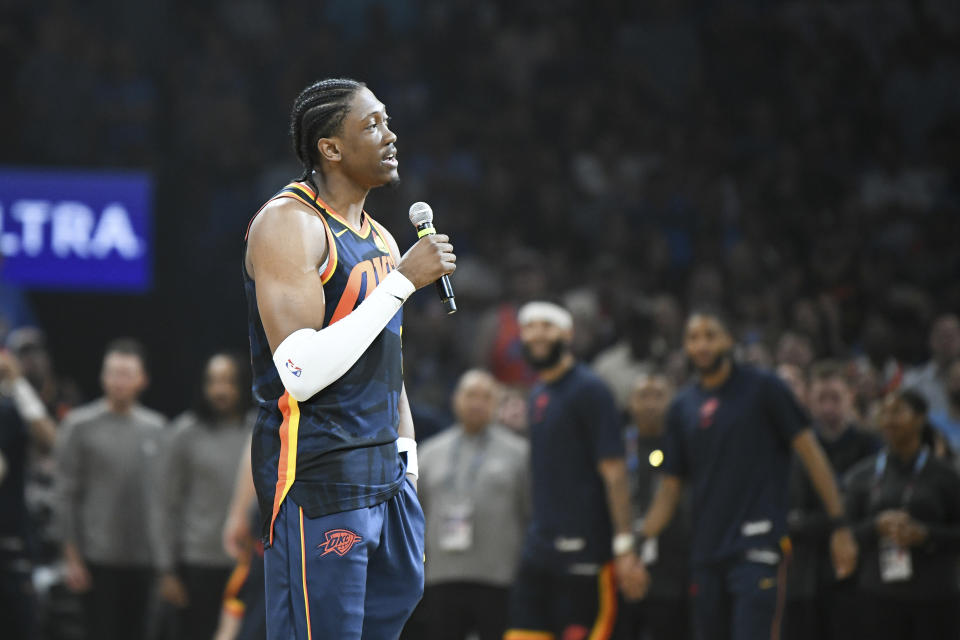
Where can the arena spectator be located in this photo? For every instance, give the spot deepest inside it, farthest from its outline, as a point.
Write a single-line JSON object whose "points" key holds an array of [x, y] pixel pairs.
{"points": [[23, 421], [106, 464], [194, 490], [818, 606], [947, 422], [796, 379], [905, 504], [930, 378], [475, 492], [664, 614]]}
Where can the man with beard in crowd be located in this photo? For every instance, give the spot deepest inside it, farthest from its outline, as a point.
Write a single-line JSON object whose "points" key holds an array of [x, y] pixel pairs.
{"points": [[729, 435], [581, 495]]}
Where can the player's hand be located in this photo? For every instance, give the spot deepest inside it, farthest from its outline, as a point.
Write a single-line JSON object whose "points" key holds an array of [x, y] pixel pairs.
{"points": [[173, 591], [429, 259], [77, 576], [843, 551], [9, 366], [413, 480], [910, 533], [236, 535], [632, 576], [887, 522]]}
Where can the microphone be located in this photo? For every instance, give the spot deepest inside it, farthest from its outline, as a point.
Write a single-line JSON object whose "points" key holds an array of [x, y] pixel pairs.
{"points": [[421, 217]]}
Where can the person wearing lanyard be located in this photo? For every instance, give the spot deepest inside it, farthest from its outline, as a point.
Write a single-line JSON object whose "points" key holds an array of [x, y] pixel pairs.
{"points": [[474, 488], [906, 506]]}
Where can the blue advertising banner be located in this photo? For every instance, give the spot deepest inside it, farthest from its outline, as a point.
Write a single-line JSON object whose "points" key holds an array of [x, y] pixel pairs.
{"points": [[76, 230]]}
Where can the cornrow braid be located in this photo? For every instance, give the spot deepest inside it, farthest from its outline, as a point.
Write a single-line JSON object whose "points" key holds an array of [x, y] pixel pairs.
{"points": [[318, 112]]}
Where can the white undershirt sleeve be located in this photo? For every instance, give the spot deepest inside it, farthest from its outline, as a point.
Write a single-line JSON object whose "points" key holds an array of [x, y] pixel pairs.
{"points": [[309, 360]]}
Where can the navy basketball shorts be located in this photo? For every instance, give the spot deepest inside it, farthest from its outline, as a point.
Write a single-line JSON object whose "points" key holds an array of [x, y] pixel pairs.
{"points": [[549, 605], [349, 575], [739, 600]]}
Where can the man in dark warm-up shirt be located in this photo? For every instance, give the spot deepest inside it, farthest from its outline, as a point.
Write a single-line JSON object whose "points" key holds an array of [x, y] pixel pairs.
{"points": [[729, 435]]}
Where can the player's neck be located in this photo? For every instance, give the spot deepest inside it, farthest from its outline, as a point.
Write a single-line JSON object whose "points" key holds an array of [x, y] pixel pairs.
{"points": [[344, 196], [556, 372], [716, 378]]}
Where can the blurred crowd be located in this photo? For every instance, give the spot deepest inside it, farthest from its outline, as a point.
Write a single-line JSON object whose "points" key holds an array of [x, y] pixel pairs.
{"points": [[793, 163]]}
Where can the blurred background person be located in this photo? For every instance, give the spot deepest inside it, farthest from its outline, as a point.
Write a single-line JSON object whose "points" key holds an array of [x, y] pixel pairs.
{"points": [[106, 462], [905, 505], [664, 613], [243, 615], [819, 607], [580, 543], [947, 421], [730, 434], [796, 378], [24, 422], [198, 471], [475, 490], [930, 378]]}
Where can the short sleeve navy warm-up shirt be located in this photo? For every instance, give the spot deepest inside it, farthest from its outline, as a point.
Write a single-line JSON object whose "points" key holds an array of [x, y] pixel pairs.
{"points": [[732, 447], [573, 426]]}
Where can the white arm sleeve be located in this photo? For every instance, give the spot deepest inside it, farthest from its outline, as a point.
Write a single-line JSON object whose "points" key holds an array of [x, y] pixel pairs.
{"points": [[309, 360]]}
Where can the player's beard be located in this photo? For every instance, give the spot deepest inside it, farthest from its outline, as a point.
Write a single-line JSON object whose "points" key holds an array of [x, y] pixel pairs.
{"points": [[557, 350], [714, 365]]}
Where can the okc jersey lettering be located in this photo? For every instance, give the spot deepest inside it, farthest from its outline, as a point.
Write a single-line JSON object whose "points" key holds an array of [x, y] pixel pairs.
{"points": [[336, 451], [364, 277]]}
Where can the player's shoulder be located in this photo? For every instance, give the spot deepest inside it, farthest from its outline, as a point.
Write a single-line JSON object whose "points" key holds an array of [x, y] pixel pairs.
{"points": [[861, 472], [148, 418], [589, 382], [509, 441], [85, 414], [283, 215], [437, 443], [184, 424]]}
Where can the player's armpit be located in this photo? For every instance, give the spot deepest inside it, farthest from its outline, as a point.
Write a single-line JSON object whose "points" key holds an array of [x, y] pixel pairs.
{"points": [[286, 247]]}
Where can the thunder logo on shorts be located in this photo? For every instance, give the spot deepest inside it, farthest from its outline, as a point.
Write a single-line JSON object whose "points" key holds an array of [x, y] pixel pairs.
{"points": [[335, 451]]}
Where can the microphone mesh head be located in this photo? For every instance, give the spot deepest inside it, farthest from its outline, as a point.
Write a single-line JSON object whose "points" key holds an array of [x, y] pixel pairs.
{"points": [[420, 212]]}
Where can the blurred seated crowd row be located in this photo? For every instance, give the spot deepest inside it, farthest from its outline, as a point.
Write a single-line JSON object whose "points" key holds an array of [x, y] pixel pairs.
{"points": [[117, 522]]}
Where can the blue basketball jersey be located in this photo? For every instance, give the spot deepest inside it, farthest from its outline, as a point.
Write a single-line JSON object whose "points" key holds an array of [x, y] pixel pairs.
{"points": [[336, 451]]}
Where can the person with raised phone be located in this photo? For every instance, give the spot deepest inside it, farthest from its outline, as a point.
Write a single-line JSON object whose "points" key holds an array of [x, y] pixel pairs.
{"points": [[333, 442]]}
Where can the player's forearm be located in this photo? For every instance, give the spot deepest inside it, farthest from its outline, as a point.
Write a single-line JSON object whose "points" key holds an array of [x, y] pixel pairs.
{"points": [[663, 507], [615, 480], [820, 472], [310, 360], [405, 428]]}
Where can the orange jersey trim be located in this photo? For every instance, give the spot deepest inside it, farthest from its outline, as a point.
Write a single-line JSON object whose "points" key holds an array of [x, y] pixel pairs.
{"points": [[237, 578], [303, 570], [607, 616], [235, 608], [364, 229], [527, 634], [287, 465], [385, 237]]}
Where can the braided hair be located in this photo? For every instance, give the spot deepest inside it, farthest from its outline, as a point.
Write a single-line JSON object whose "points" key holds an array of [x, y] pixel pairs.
{"points": [[318, 112]]}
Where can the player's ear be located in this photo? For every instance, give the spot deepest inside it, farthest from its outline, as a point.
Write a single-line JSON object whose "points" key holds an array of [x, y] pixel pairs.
{"points": [[329, 149]]}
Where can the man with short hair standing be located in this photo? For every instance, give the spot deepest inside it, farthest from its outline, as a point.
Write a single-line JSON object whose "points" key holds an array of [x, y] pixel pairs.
{"points": [[580, 541], [106, 454], [729, 435], [474, 487]]}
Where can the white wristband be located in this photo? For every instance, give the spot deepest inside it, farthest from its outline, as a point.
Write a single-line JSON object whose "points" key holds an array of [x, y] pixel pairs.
{"points": [[409, 446], [28, 403], [623, 543]]}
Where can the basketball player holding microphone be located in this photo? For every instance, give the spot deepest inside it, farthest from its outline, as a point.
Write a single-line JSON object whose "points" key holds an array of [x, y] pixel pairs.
{"points": [[333, 454]]}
